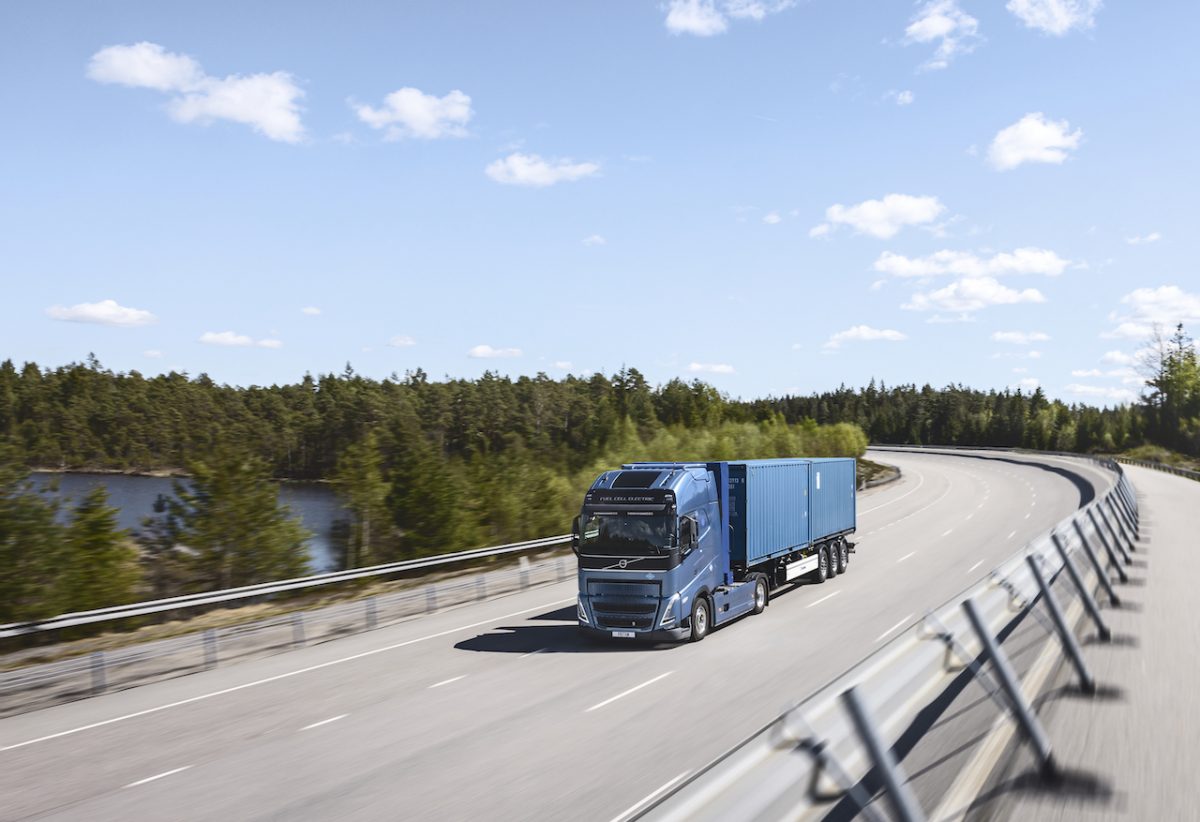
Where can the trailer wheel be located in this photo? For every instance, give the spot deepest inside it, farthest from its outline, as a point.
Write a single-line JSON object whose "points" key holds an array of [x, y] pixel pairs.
{"points": [[760, 593], [832, 551], [822, 572], [843, 556], [700, 618]]}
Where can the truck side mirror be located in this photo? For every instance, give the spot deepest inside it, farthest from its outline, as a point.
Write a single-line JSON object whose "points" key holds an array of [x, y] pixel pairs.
{"points": [[575, 535], [687, 534]]}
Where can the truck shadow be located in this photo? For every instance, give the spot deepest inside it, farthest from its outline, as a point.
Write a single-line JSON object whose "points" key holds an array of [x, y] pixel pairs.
{"points": [[563, 638]]}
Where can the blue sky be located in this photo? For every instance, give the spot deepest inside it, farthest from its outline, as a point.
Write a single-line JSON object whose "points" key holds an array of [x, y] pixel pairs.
{"points": [[771, 196]]}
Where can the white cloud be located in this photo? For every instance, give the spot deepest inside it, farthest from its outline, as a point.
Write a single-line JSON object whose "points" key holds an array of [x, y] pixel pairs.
{"points": [[1166, 305], [963, 263], [152, 354], [881, 218], [1020, 337], [1152, 237], [772, 218], [864, 333], [562, 365], [972, 294], [105, 312], [1055, 17], [942, 319], [311, 310], [904, 98], [1033, 139], [1087, 372], [1102, 392], [594, 239], [402, 341], [486, 352], [1129, 331], [943, 22], [1027, 384], [1118, 358], [531, 170], [234, 340], [409, 112], [698, 17], [269, 103], [878, 284], [704, 18], [710, 368]]}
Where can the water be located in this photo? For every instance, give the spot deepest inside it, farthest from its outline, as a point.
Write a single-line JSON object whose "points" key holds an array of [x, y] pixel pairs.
{"points": [[314, 504]]}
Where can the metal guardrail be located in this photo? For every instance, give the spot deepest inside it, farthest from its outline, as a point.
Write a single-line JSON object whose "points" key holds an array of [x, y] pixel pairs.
{"points": [[836, 748], [1161, 466], [38, 686], [138, 609]]}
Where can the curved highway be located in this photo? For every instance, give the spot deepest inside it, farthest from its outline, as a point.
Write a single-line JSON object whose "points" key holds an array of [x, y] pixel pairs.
{"points": [[498, 710]]}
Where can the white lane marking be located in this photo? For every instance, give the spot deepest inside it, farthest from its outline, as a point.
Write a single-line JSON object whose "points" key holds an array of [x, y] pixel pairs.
{"points": [[921, 481], [531, 653], [970, 515], [1027, 516], [973, 567], [324, 722], [894, 627], [278, 677], [632, 809], [156, 776], [906, 556], [448, 681], [1010, 536], [948, 533], [822, 599], [612, 699]]}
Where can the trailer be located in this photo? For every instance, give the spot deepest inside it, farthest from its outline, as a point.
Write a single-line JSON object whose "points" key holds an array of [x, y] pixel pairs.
{"points": [[668, 551]]}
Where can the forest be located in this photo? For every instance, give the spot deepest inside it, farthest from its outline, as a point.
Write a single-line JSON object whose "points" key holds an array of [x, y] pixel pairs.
{"points": [[427, 466]]}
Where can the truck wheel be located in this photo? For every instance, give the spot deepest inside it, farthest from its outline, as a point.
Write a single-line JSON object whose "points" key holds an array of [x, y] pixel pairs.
{"points": [[843, 556], [822, 572], [700, 617], [831, 550], [760, 594]]}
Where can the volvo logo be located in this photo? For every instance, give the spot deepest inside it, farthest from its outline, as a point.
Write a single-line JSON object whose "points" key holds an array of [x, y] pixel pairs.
{"points": [[623, 563]]}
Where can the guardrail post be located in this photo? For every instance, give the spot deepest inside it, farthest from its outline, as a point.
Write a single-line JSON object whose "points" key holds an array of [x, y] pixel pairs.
{"points": [[99, 675], [562, 568], [1107, 545], [1129, 501], [1113, 533], [430, 599], [1122, 518], [480, 587], [372, 613], [523, 572], [1086, 681], [298, 629], [1008, 681], [903, 802], [1120, 524], [1100, 570], [1089, 603], [210, 649]]}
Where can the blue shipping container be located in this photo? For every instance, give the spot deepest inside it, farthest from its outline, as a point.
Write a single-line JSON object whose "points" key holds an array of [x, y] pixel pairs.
{"points": [[831, 497], [768, 511]]}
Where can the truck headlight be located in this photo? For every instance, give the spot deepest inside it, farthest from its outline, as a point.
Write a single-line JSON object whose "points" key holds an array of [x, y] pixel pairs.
{"points": [[580, 611], [668, 616]]}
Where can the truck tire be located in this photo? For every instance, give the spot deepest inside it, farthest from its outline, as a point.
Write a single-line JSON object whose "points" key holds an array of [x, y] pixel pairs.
{"points": [[822, 573], [701, 617], [831, 549], [760, 593], [843, 555]]}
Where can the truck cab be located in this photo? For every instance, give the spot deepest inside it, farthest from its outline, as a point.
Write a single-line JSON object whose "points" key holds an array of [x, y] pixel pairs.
{"points": [[652, 540]]}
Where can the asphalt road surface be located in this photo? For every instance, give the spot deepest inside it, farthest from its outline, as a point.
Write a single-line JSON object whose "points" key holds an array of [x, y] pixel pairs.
{"points": [[498, 709]]}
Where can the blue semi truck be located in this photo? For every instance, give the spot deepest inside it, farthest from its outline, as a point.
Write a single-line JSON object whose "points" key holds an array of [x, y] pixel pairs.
{"points": [[668, 551]]}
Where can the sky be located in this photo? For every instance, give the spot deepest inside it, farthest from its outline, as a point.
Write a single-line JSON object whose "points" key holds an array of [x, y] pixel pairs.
{"points": [[772, 196]]}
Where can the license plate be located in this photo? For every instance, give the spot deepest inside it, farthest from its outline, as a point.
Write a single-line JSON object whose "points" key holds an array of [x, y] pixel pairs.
{"points": [[623, 634]]}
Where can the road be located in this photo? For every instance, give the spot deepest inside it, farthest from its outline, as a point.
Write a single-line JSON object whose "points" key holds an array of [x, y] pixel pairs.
{"points": [[497, 709]]}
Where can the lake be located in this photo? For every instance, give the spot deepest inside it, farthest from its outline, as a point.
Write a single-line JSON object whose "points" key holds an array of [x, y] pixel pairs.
{"points": [[314, 504]]}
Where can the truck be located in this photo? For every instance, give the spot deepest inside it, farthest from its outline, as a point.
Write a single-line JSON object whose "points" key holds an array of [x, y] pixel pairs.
{"points": [[671, 550]]}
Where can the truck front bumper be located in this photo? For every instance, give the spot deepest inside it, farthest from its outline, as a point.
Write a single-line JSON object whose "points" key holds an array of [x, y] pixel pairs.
{"points": [[661, 635]]}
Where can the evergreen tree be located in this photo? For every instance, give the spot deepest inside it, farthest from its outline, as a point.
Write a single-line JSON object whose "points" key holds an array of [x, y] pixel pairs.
{"points": [[99, 562]]}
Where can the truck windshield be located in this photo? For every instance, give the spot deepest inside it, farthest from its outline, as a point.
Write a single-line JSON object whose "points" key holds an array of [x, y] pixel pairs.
{"points": [[619, 534]]}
